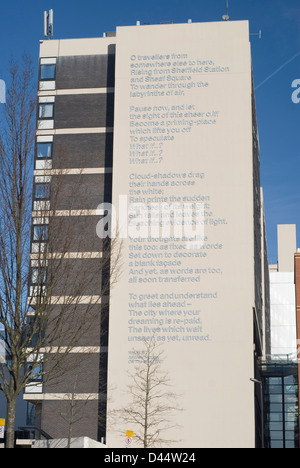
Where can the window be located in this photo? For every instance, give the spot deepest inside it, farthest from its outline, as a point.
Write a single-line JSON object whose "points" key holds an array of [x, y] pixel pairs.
{"points": [[291, 417], [44, 150], [38, 276], [46, 110], [291, 399], [275, 380], [291, 389], [276, 426], [47, 72], [42, 191], [276, 444], [290, 380], [291, 426], [274, 389], [275, 408], [40, 233], [290, 444], [275, 417], [276, 435], [30, 416], [36, 371], [291, 408], [275, 398]]}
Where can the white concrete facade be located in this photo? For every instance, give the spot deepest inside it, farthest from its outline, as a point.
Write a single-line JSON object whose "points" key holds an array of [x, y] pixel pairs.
{"points": [[183, 106]]}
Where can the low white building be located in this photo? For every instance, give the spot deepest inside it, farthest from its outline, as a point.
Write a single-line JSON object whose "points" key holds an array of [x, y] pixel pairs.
{"points": [[282, 294]]}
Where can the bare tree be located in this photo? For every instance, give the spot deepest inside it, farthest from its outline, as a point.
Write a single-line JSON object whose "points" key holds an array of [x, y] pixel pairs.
{"points": [[153, 405], [72, 416], [41, 324], [17, 138]]}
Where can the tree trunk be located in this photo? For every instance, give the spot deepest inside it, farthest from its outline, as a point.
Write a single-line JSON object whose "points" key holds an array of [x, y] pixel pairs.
{"points": [[10, 422]]}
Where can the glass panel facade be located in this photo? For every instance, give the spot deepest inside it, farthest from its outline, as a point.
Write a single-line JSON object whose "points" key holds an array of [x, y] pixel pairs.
{"points": [[281, 405]]}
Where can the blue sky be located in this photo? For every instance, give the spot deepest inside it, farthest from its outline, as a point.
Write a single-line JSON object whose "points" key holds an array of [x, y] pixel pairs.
{"points": [[21, 28]]}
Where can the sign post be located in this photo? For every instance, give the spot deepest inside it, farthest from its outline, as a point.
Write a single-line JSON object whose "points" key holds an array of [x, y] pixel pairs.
{"points": [[2, 428], [129, 437]]}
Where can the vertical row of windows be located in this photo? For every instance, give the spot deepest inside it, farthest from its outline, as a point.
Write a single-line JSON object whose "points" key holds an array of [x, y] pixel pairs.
{"points": [[47, 77], [43, 161], [41, 202]]}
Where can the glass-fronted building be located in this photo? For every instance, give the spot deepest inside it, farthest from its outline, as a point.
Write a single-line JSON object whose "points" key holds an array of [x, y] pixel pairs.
{"points": [[281, 403]]}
